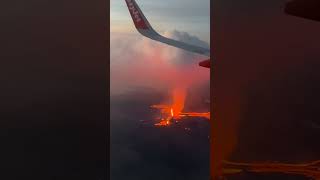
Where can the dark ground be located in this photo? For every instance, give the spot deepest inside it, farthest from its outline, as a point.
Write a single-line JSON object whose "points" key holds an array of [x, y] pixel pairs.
{"points": [[142, 151]]}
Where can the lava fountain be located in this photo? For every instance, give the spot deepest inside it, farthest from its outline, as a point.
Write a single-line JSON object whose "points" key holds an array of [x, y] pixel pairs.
{"points": [[175, 110]]}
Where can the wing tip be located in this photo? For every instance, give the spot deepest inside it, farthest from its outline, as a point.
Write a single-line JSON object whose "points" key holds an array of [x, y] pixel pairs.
{"points": [[137, 16]]}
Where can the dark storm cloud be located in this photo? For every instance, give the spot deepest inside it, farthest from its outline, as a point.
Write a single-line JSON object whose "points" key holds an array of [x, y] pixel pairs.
{"points": [[265, 81]]}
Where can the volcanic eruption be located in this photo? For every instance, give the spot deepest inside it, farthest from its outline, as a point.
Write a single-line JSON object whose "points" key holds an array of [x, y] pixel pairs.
{"points": [[174, 111]]}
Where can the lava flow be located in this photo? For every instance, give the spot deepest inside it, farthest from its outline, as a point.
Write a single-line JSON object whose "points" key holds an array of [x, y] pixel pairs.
{"points": [[174, 112]]}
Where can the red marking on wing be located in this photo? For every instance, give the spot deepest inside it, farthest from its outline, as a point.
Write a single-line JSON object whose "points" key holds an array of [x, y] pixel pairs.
{"points": [[137, 17]]}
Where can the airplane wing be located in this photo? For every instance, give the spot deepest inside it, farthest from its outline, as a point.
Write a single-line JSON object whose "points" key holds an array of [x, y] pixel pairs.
{"points": [[144, 27]]}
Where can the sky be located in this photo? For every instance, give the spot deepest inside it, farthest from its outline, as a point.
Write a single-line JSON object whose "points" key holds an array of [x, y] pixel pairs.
{"points": [[182, 15]]}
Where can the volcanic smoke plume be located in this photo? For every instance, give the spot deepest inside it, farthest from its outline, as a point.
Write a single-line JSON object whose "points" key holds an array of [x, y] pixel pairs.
{"points": [[179, 95], [141, 62]]}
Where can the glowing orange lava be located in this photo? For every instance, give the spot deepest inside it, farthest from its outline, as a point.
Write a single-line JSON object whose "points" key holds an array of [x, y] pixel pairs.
{"points": [[163, 122], [175, 110], [195, 114]]}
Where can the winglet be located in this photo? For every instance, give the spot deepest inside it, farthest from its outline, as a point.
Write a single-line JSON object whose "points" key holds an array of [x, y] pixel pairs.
{"points": [[138, 18]]}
